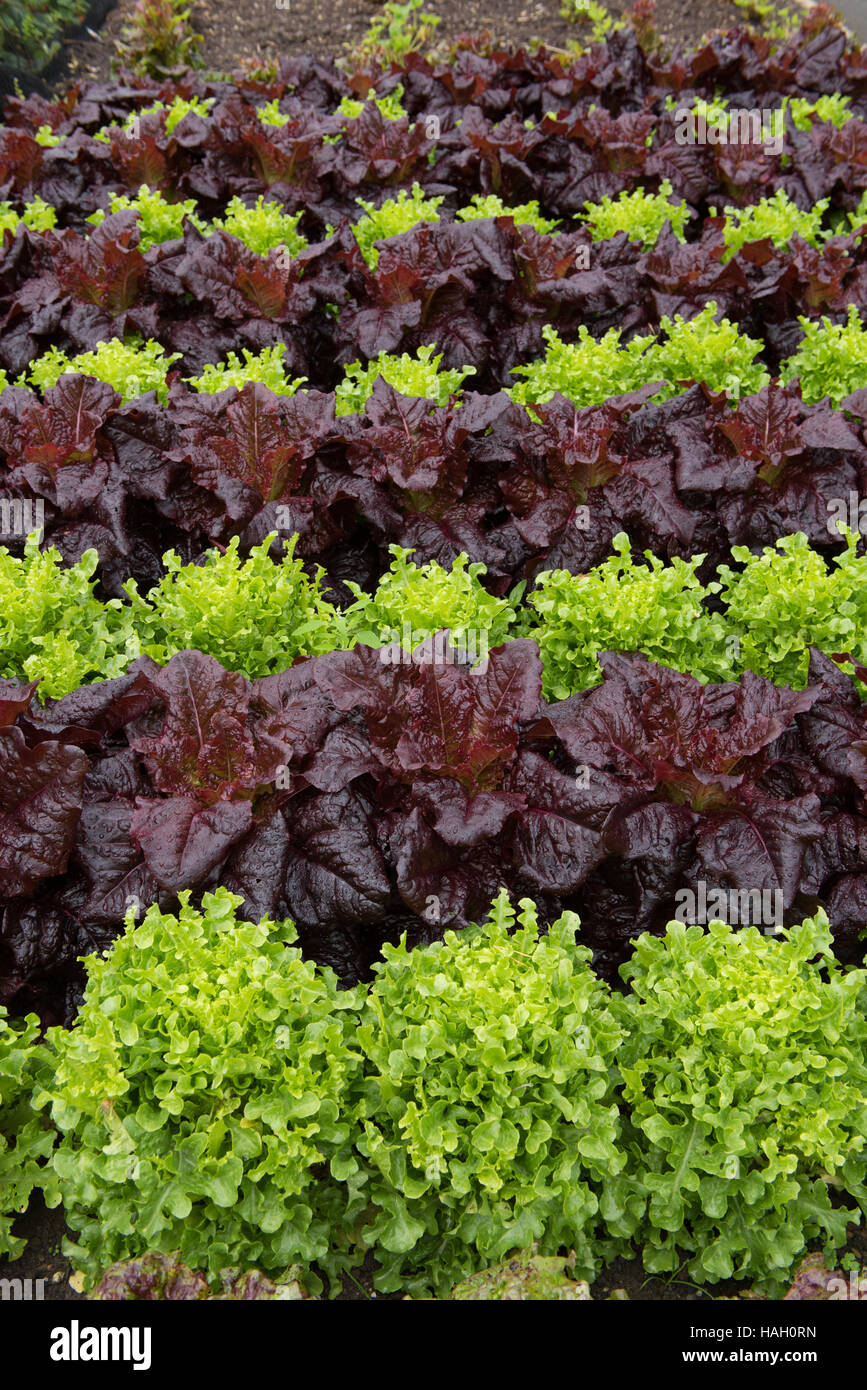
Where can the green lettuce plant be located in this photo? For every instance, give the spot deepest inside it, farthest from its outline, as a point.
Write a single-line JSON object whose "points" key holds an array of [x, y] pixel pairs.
{"points": [[831, 359], [601, 22], [159, 220], [744, 1066], [522, 214], [253, 616], [389, 106], [38, 216], [776, 218], [412, 601], [391, 218], [587, 371], [47, 139], [654, 608], [831, 106], [412, 376], [25, 1139], [270, 113], [203, 1097], [790, 598], [702, 349], [266, 367], [263, 227], [854, 221], [175, 110], [591, 370], [713, 111], [488, 1117], [640, 215], [53, 628], [132, 368], [525, 1278]]}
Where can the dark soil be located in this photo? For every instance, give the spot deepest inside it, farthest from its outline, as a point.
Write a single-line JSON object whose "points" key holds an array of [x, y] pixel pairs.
{"points": [[257, 31]]}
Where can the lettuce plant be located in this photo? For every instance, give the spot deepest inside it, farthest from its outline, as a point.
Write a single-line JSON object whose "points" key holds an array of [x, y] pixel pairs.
{"points": [[253, 616], [790, 598], [266, 367], [526, 1277], [656, 609], [52, 627], [830, 106], [270, 113], [831, 359], [203, 1095], [176, 109], [522, 214], [159, 220], [413, 601], [25, 1140], [131, 368], [744, 1069], [713, 111], [591, 12], [587, 371], [776, 218], [391, 218], [702, 349], [412, 376], [389, 106], [47, 139], [489, 1120], [159, 40], [591, 370], [158, 1278], [640, 215], [38, 216], [263, 227]]}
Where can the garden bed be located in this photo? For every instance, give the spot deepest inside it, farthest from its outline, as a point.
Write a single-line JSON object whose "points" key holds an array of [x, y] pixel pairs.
{"points": [[466, 601]]}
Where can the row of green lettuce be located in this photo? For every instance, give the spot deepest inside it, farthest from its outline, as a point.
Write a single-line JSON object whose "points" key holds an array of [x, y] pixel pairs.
{"points": [[256, 616], [831, 360], [220, 1097], [641, 215]]}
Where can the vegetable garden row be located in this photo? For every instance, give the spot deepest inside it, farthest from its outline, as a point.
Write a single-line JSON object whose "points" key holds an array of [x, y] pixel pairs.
{"points": [[444, 488]]}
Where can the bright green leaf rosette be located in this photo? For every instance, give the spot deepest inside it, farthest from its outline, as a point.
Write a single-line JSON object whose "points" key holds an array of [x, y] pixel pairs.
{"points": [[25, 1139], [745, 1074], [202, 1097], [490, 1120]]}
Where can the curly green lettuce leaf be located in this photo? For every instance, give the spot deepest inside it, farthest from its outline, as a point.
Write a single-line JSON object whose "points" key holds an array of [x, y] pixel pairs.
{"points": [[52, 626], [412, 602], [131, 368], [412, 376], [203, 1097], [391, 218], [253, 616], [267, 367], [654, 608], [489, 1120], [744, 1071], [640, 215]]}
